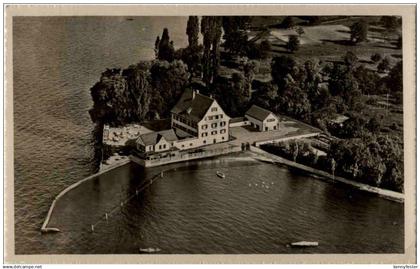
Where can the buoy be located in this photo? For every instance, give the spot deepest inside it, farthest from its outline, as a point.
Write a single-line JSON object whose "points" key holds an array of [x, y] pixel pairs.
{"points": [[106, 216], [92, 227]]}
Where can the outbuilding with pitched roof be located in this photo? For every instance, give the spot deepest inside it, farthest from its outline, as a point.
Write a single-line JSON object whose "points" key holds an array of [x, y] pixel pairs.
{"points": [[262, 119]]}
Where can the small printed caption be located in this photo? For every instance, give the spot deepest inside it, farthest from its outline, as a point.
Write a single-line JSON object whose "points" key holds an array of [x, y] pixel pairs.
{"points": [[405, 266], [22, 266]]}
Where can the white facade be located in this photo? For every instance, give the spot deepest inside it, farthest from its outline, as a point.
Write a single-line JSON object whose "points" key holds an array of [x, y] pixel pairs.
{"points": [[214, 126], [262, 119]]}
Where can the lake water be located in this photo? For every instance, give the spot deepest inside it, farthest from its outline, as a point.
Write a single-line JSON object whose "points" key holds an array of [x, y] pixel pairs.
{"points": [[56, 61]]}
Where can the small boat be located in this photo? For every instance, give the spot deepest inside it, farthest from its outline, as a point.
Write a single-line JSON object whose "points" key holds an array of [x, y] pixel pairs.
{"points": [[220, 174], [149, 250], [304, 244]]}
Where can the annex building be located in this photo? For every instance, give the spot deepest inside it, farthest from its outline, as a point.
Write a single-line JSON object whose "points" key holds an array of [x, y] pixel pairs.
{"points": [[262, 119], [196, 120]]}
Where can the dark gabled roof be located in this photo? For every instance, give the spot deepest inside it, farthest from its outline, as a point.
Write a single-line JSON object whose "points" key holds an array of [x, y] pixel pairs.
{"points": [[154, 137], [195, 105], [258, 113], [237, 119]]}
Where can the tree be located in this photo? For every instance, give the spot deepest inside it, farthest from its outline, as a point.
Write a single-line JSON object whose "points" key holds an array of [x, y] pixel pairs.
{"points": [[168, 82], [293, 43], [333, 166], [389, 22], [384, 65], [293, 101], [376, 57], [300, 31], [358, 31], [394, 82], [281, 67], [166, 48], [265, 49], [369, 81], [398, 43], [314, 20], [157, 46], [350, 59], [235, 35], [266, 96], [192, 31], [211, 29], [288, 22], [342, 83]]}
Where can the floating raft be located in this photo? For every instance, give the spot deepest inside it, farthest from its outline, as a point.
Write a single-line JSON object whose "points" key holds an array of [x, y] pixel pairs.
{"points": [[149, 250], [304, 244]]}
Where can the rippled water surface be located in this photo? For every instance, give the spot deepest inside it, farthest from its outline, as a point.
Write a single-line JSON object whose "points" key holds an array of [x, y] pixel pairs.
{"points": [[56, 61]]}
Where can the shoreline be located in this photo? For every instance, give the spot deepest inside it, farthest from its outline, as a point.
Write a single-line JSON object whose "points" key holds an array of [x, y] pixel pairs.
{"points": [[383, 193], [257, 154]]}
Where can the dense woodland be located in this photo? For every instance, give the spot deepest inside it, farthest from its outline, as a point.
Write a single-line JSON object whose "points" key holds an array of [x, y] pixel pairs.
{"points": [[309, 90]]}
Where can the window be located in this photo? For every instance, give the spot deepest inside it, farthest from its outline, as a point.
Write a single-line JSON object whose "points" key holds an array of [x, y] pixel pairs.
{"points": [[214, 132], [213, 109], [191, 144], [221, 116], [216, 117], [210, 117], [204, 134], [213, 125], [271, 120], [223, 131], [204, 127], [204, 141], [164, 146], [223, 138], [160, 146], [222, 123]]}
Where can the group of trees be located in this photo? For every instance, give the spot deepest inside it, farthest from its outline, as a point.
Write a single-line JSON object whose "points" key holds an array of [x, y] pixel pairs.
{"points": [[373, 160], [359, 29], [140, 92]]}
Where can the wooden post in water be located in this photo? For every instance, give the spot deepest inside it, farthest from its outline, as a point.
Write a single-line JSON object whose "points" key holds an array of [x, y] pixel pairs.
{"points": [[106, 216], [92, 227]]}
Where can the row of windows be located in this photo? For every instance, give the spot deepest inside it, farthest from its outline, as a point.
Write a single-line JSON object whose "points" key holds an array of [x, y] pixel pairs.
{"points": [[271, 120], [213, 125], [184, 129], [214, 140], [213, 133], [162, 146], [184, 120], [215, 117]]}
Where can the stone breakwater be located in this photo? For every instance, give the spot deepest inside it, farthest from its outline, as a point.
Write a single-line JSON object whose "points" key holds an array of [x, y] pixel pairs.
{"points": [[44, 228]]}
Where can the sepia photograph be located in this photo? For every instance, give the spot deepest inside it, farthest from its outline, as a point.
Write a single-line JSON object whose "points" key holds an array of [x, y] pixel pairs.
{"points": [[283, 134]]}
